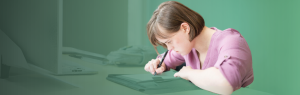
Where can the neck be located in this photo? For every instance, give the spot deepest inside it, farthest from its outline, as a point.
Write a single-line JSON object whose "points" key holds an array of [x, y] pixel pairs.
{"points": [[202, 41]]}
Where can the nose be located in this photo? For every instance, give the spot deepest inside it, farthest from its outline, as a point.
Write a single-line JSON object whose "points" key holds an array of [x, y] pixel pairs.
{"points": [[170, 47]]}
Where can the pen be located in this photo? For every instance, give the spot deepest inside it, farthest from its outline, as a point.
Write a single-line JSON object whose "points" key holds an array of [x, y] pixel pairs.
{"points": [[162, 60]]}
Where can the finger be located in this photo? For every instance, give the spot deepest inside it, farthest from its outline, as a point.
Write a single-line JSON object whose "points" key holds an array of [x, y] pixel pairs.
{"points": [[155, 64], [151, 68], [176, 75], [158, 59], [147, 67], [160, 69]]}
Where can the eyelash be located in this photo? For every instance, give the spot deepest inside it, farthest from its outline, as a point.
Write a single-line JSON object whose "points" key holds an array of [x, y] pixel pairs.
{"points": [[169, 42]]}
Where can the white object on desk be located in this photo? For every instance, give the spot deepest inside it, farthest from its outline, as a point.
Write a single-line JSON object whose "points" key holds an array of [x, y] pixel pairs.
{"points": [[147, 77], [85, 55], [70, 50]]}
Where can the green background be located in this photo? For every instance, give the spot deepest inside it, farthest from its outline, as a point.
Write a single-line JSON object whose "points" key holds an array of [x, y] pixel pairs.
{"points": [[269, 26]]}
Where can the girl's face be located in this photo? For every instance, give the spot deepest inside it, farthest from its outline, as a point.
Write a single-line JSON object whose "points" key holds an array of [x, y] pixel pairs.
{"points": [[179, 41]]}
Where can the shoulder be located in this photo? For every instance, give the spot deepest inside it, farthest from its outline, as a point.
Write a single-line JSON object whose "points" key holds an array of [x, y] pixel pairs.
{"points": [[231, 42], [228, 35], [229, 38]]}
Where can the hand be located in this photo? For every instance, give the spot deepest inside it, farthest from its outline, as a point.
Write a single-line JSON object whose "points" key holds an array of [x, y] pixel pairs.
{"points": [[152, 65], [184, 72]]}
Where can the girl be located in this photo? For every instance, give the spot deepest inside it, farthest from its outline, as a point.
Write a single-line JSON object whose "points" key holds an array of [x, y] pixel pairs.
{"points": [[216, 60]]}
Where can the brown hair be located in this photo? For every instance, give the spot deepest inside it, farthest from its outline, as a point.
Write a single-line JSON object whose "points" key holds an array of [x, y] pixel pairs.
{"points": [[169, 15]]}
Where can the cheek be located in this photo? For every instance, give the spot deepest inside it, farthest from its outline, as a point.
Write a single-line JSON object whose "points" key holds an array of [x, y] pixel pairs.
{"points": [[184, 46]]}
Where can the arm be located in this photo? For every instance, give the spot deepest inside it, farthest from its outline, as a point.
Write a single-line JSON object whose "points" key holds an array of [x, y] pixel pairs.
{"points": [[210, 79], [214, 81], [231, 70]]}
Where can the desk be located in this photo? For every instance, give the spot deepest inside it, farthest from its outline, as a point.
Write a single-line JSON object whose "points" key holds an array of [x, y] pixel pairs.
{"points": [[90, 84]]}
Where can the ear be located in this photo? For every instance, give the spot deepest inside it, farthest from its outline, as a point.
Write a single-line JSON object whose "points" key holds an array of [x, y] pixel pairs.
{"points": [[185, 27]]}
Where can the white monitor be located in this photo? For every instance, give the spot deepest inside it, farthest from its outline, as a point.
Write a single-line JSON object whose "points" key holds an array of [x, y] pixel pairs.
{"points": [[36, 27]]}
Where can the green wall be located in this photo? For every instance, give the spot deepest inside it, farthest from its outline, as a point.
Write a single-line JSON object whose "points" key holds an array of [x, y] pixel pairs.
{"points": [[270, 28], [98, 26]]}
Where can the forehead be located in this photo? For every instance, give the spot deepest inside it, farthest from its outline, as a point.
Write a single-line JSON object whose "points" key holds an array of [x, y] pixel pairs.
{"points": [[162, 34]]}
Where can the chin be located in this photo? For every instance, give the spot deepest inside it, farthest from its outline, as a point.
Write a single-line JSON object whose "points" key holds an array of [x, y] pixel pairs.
{"points": [[183, 54], [179, 53]]}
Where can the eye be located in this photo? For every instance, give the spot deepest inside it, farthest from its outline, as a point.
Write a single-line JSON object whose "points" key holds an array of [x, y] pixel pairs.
{"points": [[168, 42]]}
